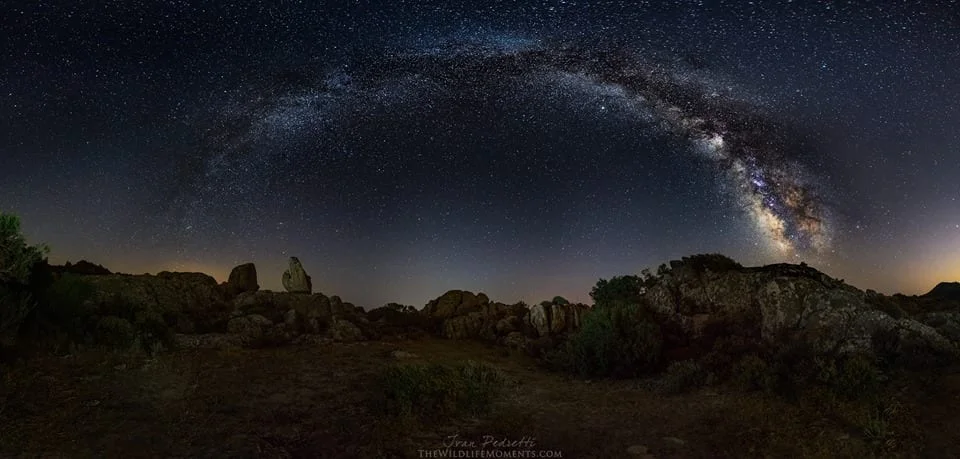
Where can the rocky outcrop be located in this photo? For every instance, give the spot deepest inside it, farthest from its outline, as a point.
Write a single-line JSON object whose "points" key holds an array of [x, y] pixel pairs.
{"points": [[188, 302], [776, 305], [193, 304], [243, 278], [82, 267], [295, 279]]}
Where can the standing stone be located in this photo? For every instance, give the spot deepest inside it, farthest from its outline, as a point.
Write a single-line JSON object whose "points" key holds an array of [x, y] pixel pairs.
{"points": [[243, 278], [295, 279], [540, 319]]}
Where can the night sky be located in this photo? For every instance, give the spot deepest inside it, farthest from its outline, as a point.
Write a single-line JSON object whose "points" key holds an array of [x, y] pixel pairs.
{"points": [[522, 149]]}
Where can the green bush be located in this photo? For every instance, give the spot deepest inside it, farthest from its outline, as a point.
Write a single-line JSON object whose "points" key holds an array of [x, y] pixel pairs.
{"points": [[436, 390], [856, 376], [64, 309], [851, 376], [15, 305], [17, 259], [713, 261], [613, 341], [683, 376], [115, 332], [878, 421], [753, 373], [151, 330], [619, 290], [399, 320], [896, 353]]}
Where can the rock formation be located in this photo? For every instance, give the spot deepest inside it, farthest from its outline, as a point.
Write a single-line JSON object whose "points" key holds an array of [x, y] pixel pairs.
{"points": [[82, 267], [777, 305], [460, 314], [188, 302], [695, 304], [295, 279], [243, 278]]}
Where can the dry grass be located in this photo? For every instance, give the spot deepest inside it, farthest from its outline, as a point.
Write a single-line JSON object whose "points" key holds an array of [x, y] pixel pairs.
{"points": [[314, 402]]}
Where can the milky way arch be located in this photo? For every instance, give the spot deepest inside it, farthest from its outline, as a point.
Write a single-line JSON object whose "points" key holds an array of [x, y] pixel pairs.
{"points": [[757, 156]]}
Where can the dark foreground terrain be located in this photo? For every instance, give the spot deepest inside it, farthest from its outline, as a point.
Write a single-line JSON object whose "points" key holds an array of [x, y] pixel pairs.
{"points": [[315, 401]]}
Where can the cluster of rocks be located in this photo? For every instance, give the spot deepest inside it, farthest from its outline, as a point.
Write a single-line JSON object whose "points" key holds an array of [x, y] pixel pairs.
{"points": [[203, 313], [460, 314]]}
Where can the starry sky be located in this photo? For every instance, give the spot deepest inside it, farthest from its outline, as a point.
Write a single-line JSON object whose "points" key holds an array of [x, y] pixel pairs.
{"points": [[523, 149]]}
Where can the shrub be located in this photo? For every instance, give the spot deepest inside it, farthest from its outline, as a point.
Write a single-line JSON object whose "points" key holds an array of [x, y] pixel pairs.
{"points": [[399, 320], [17, 259], [683, 376], [64, 308], [619, 290], [150, 329], [857, 376], [115, 332], [712, 261], [878, 420], [753, 373], [894, 352], [612, 341], [15, 305], [436, 390]]}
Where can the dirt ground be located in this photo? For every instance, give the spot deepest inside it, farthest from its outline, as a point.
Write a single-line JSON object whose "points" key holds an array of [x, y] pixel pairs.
{"points": [[313, 401]]}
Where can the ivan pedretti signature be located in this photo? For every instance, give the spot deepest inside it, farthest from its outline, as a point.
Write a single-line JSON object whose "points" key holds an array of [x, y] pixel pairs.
{"points": [[489, 441]]}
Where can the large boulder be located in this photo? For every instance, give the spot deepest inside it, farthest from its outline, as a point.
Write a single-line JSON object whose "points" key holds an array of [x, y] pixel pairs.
{"points": [[295, 279], [555, 319], [463, 327], [345, 331], [540, 318], [445, 306], [243, 278]]}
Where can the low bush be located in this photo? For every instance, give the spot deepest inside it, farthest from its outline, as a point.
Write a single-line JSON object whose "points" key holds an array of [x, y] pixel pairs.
{"points": [[683, 376], [896, 353], [115, 332], [151, 331], [612, 342], [15, 305], [436, 390], [753, 373], [64, 309], [711, 261]]}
